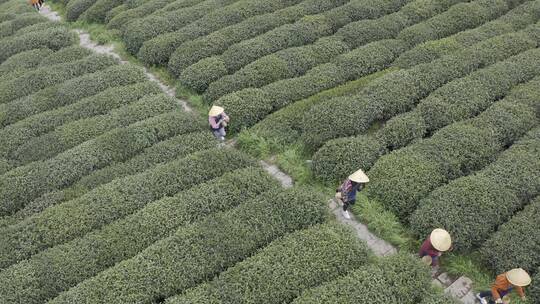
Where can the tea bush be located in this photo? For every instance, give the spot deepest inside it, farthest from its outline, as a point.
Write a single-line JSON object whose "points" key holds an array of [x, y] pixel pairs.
{"points": [[282, 270], [113, 201], [199, 251], [93, 253]]}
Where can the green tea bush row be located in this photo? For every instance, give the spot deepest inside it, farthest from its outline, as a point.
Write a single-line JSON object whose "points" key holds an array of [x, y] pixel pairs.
{"points": [[64, 222], [477, 12], [534, 291], [282, 270], [471, 208], [215, 43], [77, 132], [98, 11], [362, 61], [36, 280], [201, 250], [400, 91], [114, 12], [403, 177], [399, 278], [54, 39], [75, 8], [437, 298], [159, 49], [305, 31], [455, 101], [124, 18], [251, 105], [46, 76], [162, 152], [21, 132], [516, 19], [69, 92], [22, 185], [294, 62], [23, 62], [144, 29], [516, 242], [8, 28], [65, 55]]}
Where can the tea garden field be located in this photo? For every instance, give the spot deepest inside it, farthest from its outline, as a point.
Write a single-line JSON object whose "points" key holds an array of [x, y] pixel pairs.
{"points": [[110, 192]]}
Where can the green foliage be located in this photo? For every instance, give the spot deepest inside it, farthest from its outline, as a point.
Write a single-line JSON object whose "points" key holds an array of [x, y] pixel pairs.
{"points": [[91, 254], [98, 11], [286, 267], [141, 30], [65, 55], [75, 8], [113, 201], [438, 298], [21, 132], [245, 107], [46, 76], [162, 152], [459, 17], [489, 193], [396, 279], [20, 186], [340, 157], [199, 251], [516, 19], [305, 31], [363, 61], [54, 39], [8, 28], [215, 43], [516, 243], [159, 49], [535, 288], [70, 92], [23, 61], [400, 91], [455, 101], [77, 132]]}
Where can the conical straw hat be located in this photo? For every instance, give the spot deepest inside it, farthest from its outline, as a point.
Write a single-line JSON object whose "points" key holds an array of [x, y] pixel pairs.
{"points": [[427, 260], [359, 177], [518, 277], [215, 111], [440, 239]]}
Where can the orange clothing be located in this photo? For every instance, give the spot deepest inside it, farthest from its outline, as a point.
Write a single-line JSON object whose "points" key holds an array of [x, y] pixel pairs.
{"points": [[501, 284], [34, 1]]}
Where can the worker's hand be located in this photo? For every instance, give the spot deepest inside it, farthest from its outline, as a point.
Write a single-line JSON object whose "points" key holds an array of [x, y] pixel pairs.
{"points": [[439, 254], [498, 301], [524, 298]]}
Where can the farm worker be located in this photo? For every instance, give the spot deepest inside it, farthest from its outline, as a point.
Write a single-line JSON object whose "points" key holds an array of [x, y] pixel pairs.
{"points": [[218, 120], [438, 242], [347, 191], [35, 4], [516, 278]]}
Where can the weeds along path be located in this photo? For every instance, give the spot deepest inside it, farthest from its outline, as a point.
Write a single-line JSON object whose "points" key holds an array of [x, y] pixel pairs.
{"points": [[86, 42]]}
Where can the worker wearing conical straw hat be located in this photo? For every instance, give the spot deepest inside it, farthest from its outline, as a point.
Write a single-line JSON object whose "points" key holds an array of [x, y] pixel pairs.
{"points": [[435, 244], [346, 193], [516, 278], [218, 120]]}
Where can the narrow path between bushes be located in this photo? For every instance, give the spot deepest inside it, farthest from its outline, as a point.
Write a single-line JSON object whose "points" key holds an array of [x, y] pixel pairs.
{"points": [[86, 42], [460, 288]]}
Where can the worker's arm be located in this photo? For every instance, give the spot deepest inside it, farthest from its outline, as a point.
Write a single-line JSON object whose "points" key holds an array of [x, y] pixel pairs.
{"points": [[520, 291], [500, 283], [213, 123]]}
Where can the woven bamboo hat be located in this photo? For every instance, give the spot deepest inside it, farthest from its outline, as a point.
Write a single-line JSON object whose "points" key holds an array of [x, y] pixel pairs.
{"points": [[440, 239], [427, 260], [215, 111], [359, 177], [518, 277]]}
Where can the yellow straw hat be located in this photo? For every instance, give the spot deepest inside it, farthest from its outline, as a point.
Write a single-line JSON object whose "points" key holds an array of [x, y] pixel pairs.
{"points": [[518, 277], [215, 111], [440, 239], [359, 177], [427, 260]]}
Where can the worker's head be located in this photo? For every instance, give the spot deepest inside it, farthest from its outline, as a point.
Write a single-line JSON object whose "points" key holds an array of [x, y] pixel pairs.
{"points": [[518, 277], [440, 239], [215, 111], [359, 177]]}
